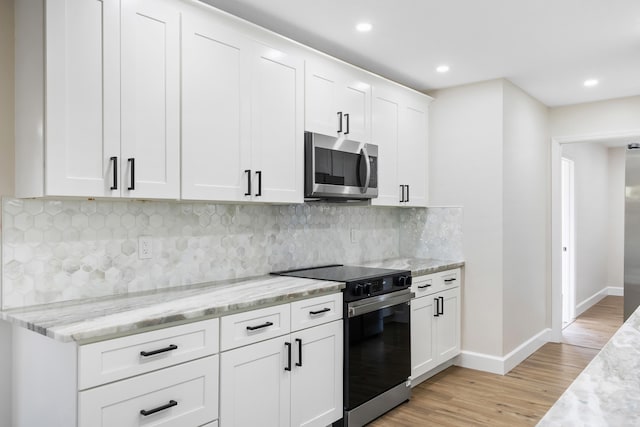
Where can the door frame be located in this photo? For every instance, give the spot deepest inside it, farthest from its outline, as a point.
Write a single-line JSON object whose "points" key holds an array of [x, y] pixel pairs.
{"points": [[556, 218], [568, 240]]}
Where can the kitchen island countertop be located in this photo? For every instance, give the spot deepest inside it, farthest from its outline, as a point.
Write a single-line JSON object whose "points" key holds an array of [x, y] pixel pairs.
{"points": [[607, 392]]}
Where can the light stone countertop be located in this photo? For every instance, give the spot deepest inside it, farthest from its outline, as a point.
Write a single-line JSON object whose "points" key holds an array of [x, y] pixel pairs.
{"points": [[108, 317], [607, 392], [418, 266], [103, 318]]}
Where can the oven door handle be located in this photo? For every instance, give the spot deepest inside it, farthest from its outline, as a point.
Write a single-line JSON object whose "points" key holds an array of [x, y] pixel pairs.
{"points": [[365, 306]]}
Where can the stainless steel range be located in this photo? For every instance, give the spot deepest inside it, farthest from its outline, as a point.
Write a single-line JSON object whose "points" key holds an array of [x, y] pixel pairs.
{"points": [[377, 337]]}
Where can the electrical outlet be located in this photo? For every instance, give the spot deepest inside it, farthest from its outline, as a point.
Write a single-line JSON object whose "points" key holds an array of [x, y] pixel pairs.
{"points": [[355, 235], [145, 247]]}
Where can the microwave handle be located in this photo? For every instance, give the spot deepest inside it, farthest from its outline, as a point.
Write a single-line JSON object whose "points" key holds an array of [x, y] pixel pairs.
{"points": [[367, 179]]}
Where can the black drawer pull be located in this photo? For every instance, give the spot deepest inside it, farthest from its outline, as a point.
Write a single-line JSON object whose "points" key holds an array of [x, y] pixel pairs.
{"points": [[437, 310], [449, 280], [264, 325], [423, 286], [324, 310], [160, 350], [441, 305], [171, 404]]}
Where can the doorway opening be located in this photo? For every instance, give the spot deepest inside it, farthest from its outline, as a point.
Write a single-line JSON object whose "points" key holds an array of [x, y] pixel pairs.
{"points": [[568, 242]]}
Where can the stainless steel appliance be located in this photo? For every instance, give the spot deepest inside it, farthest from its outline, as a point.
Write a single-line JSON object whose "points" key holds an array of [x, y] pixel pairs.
{"points": [[377, 338], [632, 231], [339, 168]]}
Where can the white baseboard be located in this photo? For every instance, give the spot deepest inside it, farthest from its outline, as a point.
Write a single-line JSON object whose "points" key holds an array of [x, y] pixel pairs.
{"points": [[595, 298], [617, 291], [502, 365]]}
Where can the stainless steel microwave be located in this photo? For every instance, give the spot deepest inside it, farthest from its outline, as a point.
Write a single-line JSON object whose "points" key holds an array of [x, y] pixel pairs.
{"points": [[339, 168]]}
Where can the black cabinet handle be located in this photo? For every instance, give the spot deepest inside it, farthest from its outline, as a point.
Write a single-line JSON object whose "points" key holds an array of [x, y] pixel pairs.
{"points": [[441, 305], [248, 172], [423, 286], [264, 325], [259, 173], [132, 163], [407, 194], [449, 280], [147, 412], [288, 367], [161, 350], [346, 116], [299, 341], [324, 310], [402, 197], [340, 121], [436, 301], [115, 173]]}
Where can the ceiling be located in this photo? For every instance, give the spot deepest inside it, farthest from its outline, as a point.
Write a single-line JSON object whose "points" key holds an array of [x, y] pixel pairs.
{"points": [[546, 47]]}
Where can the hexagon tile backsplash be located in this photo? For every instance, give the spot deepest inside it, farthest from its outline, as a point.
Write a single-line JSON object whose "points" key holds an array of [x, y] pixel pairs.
{"points": [[59, 250]]}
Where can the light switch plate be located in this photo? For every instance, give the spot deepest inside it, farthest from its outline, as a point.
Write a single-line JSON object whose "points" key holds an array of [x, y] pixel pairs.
{"points": [[145, 247]]}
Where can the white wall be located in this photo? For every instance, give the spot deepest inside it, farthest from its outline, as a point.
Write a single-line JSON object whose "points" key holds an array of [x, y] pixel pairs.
{"points": [[525, 217], [6, 183], [616, 115], [465, 169], [616, 168], [591, 163]]}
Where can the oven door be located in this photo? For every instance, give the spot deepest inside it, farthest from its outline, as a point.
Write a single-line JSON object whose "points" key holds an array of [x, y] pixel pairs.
{"points": [[336, 168], [378, 346]]}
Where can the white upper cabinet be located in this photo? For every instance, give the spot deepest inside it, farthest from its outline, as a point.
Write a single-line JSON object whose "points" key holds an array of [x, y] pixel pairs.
{"points": [[150, 99], [399, 128], [110, 98], [215, 110], [277, 123], [337, 100], [242, 116]]}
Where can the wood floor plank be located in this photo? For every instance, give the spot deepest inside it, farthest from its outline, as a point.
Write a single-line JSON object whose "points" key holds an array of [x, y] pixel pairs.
{"points": [[465, 397]]}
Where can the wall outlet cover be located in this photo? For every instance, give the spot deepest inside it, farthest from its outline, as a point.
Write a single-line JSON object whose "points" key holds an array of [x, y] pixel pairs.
{"points": [[145, 247]]}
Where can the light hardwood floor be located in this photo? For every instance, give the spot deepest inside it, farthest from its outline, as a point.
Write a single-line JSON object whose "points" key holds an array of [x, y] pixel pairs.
{"points": [[464, 397]]}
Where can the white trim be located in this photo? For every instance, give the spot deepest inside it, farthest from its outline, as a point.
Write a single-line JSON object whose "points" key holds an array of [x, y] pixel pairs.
{"points": [[591, 301], [502, 365], [617, 291]]}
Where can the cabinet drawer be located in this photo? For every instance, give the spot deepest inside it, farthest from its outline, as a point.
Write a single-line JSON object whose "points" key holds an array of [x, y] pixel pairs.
{"points": [[112, 360], [253, 326], [436, 282], [183, 395], [315, 311]]}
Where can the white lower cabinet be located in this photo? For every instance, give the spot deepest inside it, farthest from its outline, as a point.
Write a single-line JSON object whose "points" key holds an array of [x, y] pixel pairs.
{"points": [[183, 395], [435, 324], [294, 379]]}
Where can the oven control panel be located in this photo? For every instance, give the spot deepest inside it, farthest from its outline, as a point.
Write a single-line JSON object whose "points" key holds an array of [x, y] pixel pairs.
{"points": [[377, 286]]}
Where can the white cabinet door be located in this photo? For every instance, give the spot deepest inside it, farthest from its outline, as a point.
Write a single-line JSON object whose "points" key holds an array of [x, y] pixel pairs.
{"points": [[448, 324], [277, 123], [82, 97], [413, 150], [215, 110], [337, 100], [316, 378], [385, 134], [255, 388], [150, 99], [321, 99], [423, 352]]}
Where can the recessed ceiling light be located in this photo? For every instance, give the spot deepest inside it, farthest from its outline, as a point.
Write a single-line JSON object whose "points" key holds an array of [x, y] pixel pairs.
{"points": [[591, 82], [442, 68], [364, 27]]}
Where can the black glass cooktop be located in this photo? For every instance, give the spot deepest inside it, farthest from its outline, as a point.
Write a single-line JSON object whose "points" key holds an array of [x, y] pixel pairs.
{"points": [[341, 273]]}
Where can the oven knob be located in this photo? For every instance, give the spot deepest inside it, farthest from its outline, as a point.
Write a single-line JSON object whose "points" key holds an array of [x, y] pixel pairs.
{"points": [[367, 288], [357, 290], [402, 281]]}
